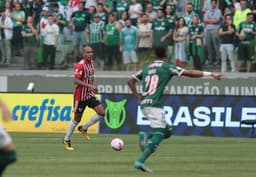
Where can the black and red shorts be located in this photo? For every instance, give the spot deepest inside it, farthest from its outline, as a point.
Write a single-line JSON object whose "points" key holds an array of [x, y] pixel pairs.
{"points": [[79, 106]]}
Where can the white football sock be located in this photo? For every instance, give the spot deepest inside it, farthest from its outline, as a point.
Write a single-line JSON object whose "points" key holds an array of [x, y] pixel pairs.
{"points": [[70, 130], [92, 121]]}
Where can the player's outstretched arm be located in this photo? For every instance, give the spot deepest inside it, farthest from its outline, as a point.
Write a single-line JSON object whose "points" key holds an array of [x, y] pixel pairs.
{"points": [[197, 73]]}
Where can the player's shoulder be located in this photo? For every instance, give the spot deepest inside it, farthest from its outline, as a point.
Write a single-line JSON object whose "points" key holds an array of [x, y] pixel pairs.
{"points": [[79, 64]]}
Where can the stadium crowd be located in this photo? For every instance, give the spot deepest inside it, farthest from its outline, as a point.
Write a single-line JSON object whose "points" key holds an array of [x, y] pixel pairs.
{"points": [[209, 33]]}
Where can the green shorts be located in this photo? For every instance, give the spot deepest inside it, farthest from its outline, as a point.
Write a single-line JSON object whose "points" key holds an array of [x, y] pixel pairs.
{"points": [[246, 51]]}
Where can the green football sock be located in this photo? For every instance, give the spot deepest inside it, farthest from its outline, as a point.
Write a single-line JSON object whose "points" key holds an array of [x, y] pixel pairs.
{"points": [[152, 144], [167, 131], [6, 158]]}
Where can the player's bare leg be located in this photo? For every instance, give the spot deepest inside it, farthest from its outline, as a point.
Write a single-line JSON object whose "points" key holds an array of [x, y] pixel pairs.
{"points": [[94, 119], [249, 66]]}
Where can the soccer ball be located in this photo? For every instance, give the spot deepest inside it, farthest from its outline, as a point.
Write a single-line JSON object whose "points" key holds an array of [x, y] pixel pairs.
{"points": [[117, 144]]}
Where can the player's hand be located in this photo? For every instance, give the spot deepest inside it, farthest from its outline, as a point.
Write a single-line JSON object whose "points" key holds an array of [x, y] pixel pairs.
{"points": [[94, 89], [216, 76], [6, 113]]}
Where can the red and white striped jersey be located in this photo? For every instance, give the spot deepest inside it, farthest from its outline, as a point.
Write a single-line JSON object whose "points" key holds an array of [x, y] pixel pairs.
{"points": [[84, 70]]}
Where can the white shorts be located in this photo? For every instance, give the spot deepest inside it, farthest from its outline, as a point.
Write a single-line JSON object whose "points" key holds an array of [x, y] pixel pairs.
{"points": [[5, 138], [130, 57], [156, 116]]}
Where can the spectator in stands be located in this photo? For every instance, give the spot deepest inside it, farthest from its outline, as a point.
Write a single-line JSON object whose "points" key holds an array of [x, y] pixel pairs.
{"points": [[8, 9], [230, 10], [129, 44], [241, 15], [30, 36], [172, 3], [189, 14], [59, 19], [91, 12], [27, 6], [121, 21], [122, 5], [144, 38], [207, 5], [227, 49], [37, 10], [169, 15], [246, 32], [253, 9], [212, 20], [65, 9], [50, 35], [111, 39], [43, 21], [143, 4], [107, 5], [103, 15], [6, 33], [196, 34], [79, 22], [95, 34], [158, 4], [180, 36], [151, 12], [197, 7], [18, 20], [135, 10], [161, 33]]}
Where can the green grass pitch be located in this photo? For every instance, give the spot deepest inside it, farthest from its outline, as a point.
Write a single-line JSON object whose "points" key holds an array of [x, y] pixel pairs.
{"points": [[43, 155]]}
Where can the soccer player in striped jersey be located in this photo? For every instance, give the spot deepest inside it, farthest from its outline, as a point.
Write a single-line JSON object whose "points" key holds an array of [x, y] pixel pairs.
{"points": [[154, 78], [7, 150], [84, 95]]}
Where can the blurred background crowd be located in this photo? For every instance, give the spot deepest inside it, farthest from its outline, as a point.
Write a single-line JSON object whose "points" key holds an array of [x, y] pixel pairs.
{"points": [[50, 34]]}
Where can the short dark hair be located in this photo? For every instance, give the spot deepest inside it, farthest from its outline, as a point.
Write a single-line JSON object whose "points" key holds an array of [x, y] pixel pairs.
{"points": [[112, 14], [250, 13], [160, 52], [227, 15], [56, 5], [100, 4]]}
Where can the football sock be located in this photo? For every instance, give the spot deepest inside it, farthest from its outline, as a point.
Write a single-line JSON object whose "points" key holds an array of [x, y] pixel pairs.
{"points": [[92, 121], [72, 125], [168, 131], [152, 144], [6, 158]]}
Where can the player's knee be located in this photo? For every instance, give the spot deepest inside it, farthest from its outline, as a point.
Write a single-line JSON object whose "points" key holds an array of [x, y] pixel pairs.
{"points": [[101, 113], [156, 139], [78, 117]]}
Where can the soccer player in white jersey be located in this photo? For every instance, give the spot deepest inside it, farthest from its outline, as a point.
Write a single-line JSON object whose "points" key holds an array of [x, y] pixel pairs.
{"points": [[7, 150]]}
